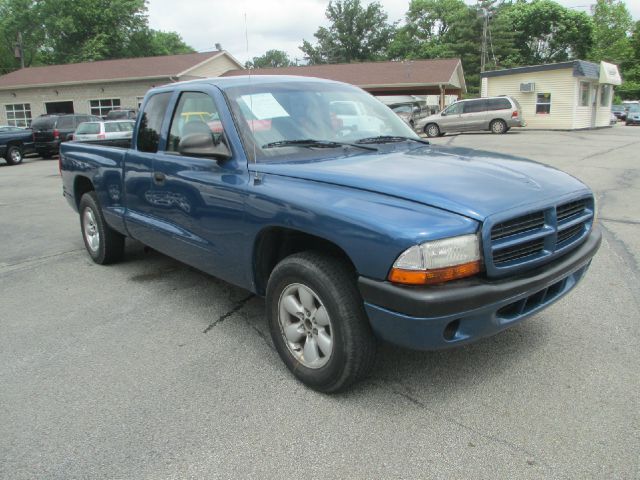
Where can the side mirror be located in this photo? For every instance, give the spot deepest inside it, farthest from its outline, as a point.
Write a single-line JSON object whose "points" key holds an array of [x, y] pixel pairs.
{"points": [[443, 114], [416, 109], [202, 145]]}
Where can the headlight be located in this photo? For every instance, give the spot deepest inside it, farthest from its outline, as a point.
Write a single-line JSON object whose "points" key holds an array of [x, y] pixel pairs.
{"points": [[438, 261]]}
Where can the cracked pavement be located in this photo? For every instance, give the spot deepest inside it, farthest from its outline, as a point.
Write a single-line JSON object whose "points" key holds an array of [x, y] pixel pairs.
{"points": [[151, 369]]}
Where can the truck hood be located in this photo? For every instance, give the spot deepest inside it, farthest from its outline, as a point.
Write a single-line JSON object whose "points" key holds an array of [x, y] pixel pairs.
{"points": [[469, 182]]}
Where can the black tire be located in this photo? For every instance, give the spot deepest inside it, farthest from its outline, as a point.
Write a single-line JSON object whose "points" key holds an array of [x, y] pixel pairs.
{"points": [[498, 126], [14, 155], [110, 244], [432, 130], [353, 343]]}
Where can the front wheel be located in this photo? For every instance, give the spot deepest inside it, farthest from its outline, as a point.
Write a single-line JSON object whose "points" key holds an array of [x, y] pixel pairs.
{"points": [[317, 321], [498, 126], [103, 244], [14, 155], [432, 130]]}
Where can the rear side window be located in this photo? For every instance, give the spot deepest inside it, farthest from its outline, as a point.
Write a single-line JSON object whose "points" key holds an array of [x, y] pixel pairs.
{"points": [[65, 123], [88, 128], [125, 126], [151, 122], [475, 106], [498, 104], [111, 127]]}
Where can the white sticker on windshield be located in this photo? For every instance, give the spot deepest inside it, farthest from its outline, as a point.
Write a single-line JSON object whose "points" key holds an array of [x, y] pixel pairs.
{"points": [[264, 106]]}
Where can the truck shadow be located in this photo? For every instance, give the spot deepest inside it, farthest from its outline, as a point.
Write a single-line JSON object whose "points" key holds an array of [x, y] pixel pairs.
{"points": [[421, 378]]}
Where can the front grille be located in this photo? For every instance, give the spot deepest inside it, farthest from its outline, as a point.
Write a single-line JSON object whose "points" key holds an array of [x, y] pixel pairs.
{"points": [[517, 225], [529, 239]]}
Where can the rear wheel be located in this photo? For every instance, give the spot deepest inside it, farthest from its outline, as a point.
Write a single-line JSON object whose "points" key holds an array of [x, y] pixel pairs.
{"points": [[317, 321], [14, 155], [498, 126], [103, 244], [432, 130]]}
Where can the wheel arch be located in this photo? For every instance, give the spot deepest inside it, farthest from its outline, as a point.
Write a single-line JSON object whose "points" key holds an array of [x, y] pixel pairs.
{"points": [[81, 185], [274, 243]]}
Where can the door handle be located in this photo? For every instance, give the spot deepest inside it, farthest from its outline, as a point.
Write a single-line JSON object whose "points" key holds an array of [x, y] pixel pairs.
{"points": [[159, 178]]}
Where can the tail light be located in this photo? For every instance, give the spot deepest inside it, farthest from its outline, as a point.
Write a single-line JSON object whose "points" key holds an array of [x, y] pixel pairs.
{"points": [[56, 134], [101, 136], [514, 114]]}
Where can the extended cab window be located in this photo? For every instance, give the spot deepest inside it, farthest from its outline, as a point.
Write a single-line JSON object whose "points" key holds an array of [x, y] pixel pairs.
{"points": [[151, 122], [196, 113]]}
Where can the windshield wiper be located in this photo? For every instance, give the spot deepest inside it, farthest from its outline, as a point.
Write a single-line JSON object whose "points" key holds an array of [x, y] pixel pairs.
{"points": [[313, 143], [391, 139]]}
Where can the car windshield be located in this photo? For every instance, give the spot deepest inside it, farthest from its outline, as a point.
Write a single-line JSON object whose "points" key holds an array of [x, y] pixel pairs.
{"points": [[634, 108], [273, 116]]}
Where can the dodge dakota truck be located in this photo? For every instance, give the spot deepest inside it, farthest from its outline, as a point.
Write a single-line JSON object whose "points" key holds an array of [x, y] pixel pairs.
{"points": [[352, 235]]}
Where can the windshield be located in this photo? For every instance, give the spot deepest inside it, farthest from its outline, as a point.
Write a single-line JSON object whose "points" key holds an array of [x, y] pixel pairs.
{"points": [[273, 113], [634, 108]]}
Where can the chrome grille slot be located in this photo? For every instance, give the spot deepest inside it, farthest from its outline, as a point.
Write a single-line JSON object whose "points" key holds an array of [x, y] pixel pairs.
{"points": [[570, 209], [520, 250], [569, 233], [522, 224]]}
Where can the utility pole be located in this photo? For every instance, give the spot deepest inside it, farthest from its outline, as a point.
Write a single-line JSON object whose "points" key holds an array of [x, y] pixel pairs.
{"points": [[19, 49], [485, 26]]}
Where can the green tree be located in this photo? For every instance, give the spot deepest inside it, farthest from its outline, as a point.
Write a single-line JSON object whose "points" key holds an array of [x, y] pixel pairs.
{"points": [[547, 32], [24, 17], [356, 33], [149, 43], [612, 25], [271, 59]]}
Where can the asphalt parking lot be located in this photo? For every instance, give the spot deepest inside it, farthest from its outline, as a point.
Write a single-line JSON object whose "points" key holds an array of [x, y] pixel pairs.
{"points": [[150, 369]]}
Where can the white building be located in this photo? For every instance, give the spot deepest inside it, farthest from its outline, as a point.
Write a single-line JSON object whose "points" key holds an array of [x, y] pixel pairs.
{"points": [[559, 96]]}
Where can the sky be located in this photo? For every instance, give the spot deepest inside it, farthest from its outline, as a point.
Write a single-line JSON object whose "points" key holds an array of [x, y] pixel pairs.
{"points": [[248, 28]]}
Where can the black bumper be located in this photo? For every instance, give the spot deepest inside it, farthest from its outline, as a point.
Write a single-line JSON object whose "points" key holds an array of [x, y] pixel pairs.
{"points": [[471, 294]]}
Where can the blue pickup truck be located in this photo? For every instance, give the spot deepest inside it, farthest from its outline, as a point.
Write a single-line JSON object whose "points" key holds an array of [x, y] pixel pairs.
{"points": [[353, 230], [14, 143]]}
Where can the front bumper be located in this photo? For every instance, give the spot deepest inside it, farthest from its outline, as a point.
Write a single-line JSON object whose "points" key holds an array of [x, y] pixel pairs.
{"points": [[431, 318]]}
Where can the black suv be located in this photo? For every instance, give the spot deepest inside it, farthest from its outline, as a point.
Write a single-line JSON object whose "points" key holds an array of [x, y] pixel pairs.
{"points": [[50, 130]]}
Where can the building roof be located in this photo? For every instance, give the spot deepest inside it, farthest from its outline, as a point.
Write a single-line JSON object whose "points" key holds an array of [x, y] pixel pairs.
{"points": [[377, 74], [108, 70], [580, 68]]}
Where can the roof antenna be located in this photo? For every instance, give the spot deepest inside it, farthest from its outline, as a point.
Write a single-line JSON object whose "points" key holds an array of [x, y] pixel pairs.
{"points": [[256, 179]]}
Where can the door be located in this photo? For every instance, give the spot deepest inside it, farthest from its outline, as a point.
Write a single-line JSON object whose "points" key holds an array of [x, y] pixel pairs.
{"points": [[450, 118], [196, 203], [474, 115], [139, 167]]}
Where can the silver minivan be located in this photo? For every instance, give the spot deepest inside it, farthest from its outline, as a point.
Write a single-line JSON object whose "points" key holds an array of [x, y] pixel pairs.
{"points": [[106, 130], [495, 114]]}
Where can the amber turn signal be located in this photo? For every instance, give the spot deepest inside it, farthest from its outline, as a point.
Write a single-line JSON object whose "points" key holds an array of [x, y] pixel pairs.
{"points": [[432, 277]]}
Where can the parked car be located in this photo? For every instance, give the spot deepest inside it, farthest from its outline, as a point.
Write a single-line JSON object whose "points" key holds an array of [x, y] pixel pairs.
{"points": [[411, 113], [122, 114], [496, 114], [613, 120], [355, 116], [633, 114], [14, 143], [619, 111], [49, 131], [349, 234], [105, 131]]}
